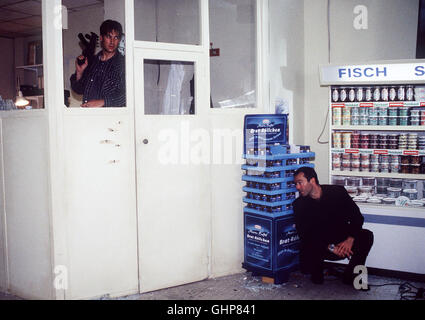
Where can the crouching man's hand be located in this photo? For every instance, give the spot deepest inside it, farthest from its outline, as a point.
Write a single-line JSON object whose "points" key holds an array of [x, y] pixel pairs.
{"points": [[343, 249]]}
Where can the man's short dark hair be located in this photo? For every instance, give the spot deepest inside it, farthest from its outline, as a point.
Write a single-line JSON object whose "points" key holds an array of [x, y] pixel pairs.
{"points": [[109, 26], [308, 173]]}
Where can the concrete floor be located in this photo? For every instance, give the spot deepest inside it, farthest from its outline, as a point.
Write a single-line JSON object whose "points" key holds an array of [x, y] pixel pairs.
{"points": [[243, 286]]}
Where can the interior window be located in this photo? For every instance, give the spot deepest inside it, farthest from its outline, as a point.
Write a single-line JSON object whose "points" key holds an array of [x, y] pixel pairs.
{"points": [[168, 21], [169, 87], [21, 43], [233, 53], [98, 80]]}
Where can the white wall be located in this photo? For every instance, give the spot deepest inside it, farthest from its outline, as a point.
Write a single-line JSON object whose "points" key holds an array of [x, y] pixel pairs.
{"points": [[7, 83], [391, 34], [27, 212], [286, 60]]}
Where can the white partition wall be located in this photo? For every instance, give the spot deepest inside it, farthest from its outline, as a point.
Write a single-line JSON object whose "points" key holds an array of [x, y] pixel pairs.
{"points": [[89, 208]]}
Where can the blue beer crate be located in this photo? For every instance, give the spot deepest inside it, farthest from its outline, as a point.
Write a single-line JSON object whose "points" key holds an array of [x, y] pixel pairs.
{"points": [[271, 245]]}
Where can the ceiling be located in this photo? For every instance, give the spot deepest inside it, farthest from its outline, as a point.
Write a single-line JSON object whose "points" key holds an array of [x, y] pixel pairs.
{"points": [[22, 18]]}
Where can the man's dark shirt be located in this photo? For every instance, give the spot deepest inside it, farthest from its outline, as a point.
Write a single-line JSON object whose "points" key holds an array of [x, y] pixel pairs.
{"points": [[103, 80], [331, 219]]}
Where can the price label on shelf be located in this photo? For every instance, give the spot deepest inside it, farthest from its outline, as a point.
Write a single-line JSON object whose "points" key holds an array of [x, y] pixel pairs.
{"points": [[410, 152], [381, 104], [395, 152], [351, 150], [352, 104], [412, 103], [383, 151]]}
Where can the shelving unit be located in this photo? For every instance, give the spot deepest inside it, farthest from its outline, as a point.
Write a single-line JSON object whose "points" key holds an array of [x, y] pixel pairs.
{"points": [[399, 226]]}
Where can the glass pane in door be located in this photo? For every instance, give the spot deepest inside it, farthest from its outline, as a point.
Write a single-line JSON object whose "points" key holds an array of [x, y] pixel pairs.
{"points": [[171, 21], [169, 87], [233, 67]]}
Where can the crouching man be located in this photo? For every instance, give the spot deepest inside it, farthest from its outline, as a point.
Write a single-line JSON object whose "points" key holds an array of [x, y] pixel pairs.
{"points": [[329, 224]]}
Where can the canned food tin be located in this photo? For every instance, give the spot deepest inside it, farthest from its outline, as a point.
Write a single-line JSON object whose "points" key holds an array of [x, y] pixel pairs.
{"points": [[346, 156], [393, 111], [364, 120], [392, 120], [374, 166], [373, 121], [414, 122], [368, 94], [351, 94], [410, 93], [405, 168], [355, 120], [355, 145], [415, 159], [365, 166], [403, 111], [373, 111], [377, 94], [401, 93], [346, 120], [412, 194], [384, 167], [346, 164], [415, 112], [364, 157], [343, 94], [383, 121], [403, 120], [392, 94], [335, 95], [359, 94], [395, 167], [384, 94], [415, 168], [374, 158], [336, 156], [364, 111], [393, 192], [364, 145], [355, 111], [337, 116], [355, 164]]}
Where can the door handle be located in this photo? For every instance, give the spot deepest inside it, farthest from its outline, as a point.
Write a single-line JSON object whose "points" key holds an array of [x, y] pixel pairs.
{"points": [[145, 141]]}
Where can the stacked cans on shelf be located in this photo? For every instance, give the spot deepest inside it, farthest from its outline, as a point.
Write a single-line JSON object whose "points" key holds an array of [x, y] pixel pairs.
{"points": [[382, 190], [357, 162], [362, 140], [377, 116], [373, 93]]}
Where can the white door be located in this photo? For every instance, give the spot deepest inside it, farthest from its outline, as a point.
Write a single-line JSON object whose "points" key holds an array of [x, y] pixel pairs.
{"points": [[173, 189]]}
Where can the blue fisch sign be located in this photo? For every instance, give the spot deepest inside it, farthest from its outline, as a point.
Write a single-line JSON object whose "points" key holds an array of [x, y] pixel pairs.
{"points": [[412, 72]]}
